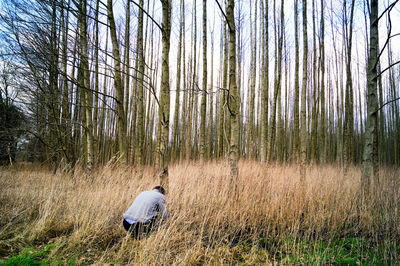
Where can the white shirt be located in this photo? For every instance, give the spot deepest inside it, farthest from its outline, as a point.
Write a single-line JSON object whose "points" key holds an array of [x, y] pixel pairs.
{"points": [[146, 206]]}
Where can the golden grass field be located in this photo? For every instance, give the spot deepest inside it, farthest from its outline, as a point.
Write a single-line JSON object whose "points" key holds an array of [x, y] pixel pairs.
{"points": [[272, 221]]}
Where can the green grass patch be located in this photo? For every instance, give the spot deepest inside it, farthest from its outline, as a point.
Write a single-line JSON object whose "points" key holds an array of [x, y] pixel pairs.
{"points": [[292, 251], [346, 251], [34, 256]]}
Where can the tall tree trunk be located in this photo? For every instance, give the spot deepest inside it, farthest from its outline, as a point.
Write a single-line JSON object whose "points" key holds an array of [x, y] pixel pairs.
{"points": [[234, 98], [277, 88], [265, 91], [195, 98], [395, 110], [314, 120], [381, 116], [322, 144], [349, 113], [121, 118], [96, 82], [133, 110], [222, 119], [203, 105], [140, 98], [101, 133], [184, 79], [279, 81], [251, 136], [88, 96], [296, 87], [239, 52], [66, 114], [126, 66], [55, 134], [303, 143], [191, 114], [211, 134], [372, 101], [286, 145], [279, 139], [272, 135], [175, 144], [163, 111]]}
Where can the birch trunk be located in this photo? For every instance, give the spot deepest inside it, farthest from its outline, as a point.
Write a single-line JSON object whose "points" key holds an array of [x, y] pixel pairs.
{"points": [[234, 99], [163, 112]]}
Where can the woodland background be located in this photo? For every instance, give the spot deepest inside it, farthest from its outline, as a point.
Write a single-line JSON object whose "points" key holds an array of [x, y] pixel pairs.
{"points": [[92, 84], [288, 106]]}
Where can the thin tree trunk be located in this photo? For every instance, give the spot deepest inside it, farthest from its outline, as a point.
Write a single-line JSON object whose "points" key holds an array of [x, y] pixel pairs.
{"points": [[322, 144], [203, 105], [277, 88], [251, 133], [265, 91], [211, 134], [101, 133], [303, 143], [296, 138], [66, 114], [126, 63], [86, 93], [121, 118], [395, 112], [96, 82], [185, 89], [372, 101], [191, 115], [314, 121], [348, 121], [126, 67], [175, 144], [285, 134], [140, 99], [222, 121]]}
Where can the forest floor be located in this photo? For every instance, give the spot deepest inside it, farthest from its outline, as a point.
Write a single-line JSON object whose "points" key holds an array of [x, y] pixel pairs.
{"points": [[75, 219]]}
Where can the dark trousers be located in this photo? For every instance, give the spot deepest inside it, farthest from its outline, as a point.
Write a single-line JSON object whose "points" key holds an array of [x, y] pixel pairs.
{"points": [[137, 229]]}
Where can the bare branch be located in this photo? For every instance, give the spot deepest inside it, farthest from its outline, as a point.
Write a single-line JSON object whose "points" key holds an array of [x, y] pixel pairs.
{"points": [[390, 7], [389, 31], [223, 13], [147, 14], [377, 76], [383, 105], [395, 35]]}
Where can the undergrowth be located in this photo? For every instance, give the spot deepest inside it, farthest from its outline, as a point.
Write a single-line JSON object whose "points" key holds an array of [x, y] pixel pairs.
{"points": [[76, 218]]}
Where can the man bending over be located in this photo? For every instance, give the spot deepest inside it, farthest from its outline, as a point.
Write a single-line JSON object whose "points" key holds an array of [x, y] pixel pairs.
{"points": [[146, 209]]}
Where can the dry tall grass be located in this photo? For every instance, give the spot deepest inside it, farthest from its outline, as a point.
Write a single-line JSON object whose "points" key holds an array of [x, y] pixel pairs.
{"points": [[84, 216]]}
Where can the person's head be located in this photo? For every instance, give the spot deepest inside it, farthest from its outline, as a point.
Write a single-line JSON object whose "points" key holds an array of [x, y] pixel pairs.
{"points": [[160, 189]]}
